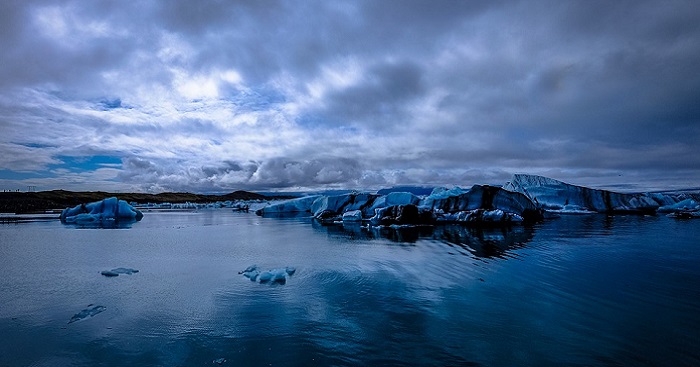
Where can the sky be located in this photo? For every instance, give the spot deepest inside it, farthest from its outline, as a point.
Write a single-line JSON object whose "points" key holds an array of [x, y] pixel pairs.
{"points": [[214, 96]]}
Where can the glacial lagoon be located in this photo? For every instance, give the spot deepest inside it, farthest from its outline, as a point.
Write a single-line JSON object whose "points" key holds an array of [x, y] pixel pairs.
{"points": [[578, 290]]}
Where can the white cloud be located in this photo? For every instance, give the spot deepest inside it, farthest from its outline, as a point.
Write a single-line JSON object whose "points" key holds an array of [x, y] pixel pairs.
{"points": [[359, 95]]}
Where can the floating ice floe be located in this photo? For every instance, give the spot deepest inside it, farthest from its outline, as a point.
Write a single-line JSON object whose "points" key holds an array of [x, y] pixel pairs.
{"points": [[104, 211], [115, 272], [274, 276], [88, 312]]}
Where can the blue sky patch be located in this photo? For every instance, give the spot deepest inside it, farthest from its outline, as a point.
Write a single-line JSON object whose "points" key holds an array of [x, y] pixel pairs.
{"points": [[85, 163]]}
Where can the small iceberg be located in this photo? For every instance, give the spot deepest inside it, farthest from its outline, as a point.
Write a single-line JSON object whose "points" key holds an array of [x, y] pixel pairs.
{"points": [[103, 213], [115, 272], [274, 276], [88, 312]]}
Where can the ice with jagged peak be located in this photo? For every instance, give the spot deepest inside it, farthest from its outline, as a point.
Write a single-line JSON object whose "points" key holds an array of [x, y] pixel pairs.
{"points": [[101, 212], [299, 205], [554, 195]]}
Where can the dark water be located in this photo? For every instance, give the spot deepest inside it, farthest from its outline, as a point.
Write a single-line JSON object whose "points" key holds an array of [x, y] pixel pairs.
{"points": [[574, 291]]}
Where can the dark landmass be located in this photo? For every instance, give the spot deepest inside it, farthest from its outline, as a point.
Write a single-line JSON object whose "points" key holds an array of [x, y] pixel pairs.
{"points": [[32, 202]]}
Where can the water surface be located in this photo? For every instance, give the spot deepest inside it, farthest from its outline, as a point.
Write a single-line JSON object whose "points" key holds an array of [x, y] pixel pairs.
{"points": [[575, 291]]}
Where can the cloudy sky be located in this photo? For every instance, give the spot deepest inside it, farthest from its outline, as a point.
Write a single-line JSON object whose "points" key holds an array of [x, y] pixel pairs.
{"points": [[216, 96]]}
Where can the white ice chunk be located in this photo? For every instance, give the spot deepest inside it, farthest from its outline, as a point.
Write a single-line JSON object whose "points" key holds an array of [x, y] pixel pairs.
{"points": [[352, 216]]}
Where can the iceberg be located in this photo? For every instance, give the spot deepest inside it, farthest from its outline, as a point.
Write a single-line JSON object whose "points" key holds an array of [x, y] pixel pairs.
{"points": [[393, 199], [487, 204], [482, 204], [402, 215], [336, 206], [683, 205], [440, 193], [557, 196], [101, 212], [300, 205], [352, 216]]}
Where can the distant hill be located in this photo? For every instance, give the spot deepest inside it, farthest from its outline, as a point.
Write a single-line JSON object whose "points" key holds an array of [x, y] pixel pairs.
{"points": [[28, 202]]}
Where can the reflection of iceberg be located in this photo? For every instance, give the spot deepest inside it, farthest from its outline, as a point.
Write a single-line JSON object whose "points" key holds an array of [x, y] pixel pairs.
{"points": [[467, 240], [105, 212], [484, 242], [88, 312]]}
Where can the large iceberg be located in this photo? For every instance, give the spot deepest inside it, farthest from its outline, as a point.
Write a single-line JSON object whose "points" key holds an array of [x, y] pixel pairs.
{"points": [[553, 195], [337, 205], [105, 211], [482, 204]]}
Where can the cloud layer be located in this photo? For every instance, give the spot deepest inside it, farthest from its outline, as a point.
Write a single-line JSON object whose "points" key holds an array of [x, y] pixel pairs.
{"points": [[214, 96]]}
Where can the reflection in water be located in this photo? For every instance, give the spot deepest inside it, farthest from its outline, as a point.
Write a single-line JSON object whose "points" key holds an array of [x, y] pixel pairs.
{"points": [[471, 241], [485, 242], [585, 291], [106, 224]]}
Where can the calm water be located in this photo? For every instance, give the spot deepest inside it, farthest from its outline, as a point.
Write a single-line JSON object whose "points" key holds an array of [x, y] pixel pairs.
{"points": [[574, 291]]}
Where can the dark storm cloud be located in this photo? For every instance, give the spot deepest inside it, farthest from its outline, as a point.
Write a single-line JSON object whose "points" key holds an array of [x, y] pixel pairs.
{"points": [[273, 173], [379, 99], [217, 95]]}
